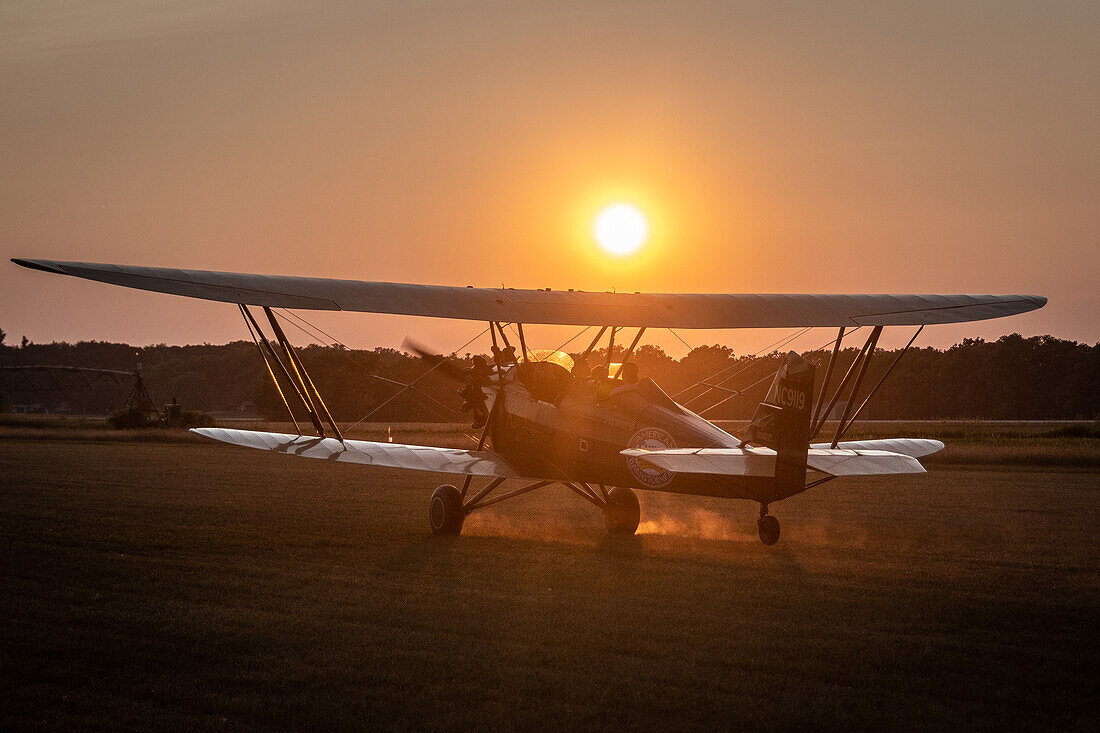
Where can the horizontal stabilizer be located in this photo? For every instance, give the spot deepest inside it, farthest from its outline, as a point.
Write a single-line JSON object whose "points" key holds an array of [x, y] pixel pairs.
{"points": [[915, 447], [750, 461], [388, 455], [847, 462], [653, 310]]}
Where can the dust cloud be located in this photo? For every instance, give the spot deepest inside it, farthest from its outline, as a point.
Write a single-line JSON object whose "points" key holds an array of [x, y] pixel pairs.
{"points": [[675, 519], [696, 522], [572, 522]]}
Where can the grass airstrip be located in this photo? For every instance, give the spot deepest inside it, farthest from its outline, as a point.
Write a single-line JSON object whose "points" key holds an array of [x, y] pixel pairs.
{"points": [[163, 582]]}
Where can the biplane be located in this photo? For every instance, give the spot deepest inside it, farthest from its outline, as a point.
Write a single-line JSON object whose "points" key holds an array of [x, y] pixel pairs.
{"points": [[600, 429]]}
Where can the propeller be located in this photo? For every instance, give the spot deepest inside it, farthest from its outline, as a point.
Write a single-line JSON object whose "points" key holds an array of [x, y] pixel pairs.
{"points": [[473, 379], [440, 363]]}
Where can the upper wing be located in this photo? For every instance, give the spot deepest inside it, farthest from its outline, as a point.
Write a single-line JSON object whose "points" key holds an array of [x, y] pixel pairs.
{"points": [[751, 461], [653, 310], [389, 455]]}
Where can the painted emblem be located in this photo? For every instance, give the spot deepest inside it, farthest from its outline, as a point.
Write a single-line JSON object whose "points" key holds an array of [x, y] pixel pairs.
{"points": [[643, 470]]}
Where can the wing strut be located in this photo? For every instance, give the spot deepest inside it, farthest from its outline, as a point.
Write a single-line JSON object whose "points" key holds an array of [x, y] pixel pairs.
{"points": [[309, 389], [869, 350], [522, 342], [816, 427], [257, 337], [894, 363], [861, 362], [507, 355], [488, 426], [828, 376], [584, 356], [626, 356], [490, 419], [290, 374], [610, 348]]}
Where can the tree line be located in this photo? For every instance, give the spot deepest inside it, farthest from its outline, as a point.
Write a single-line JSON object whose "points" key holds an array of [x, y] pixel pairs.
{"points": [[1012, 378]]}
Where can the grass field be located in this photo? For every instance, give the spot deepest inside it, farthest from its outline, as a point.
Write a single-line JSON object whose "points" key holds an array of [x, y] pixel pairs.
{"points": [[181, 585]]}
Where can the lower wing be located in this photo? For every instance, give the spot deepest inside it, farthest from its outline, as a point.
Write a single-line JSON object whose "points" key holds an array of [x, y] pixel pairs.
{"points": [[388, 455]]}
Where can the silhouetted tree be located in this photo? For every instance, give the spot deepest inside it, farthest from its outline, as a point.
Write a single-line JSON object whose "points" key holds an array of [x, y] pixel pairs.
{"points": [[1012, 378]]}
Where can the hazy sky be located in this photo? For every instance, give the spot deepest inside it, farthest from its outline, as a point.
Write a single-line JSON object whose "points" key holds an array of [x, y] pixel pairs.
{"points": [[775, 146]]}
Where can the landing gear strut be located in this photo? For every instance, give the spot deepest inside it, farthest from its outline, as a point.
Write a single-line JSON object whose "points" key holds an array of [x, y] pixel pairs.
{"points": [[445, 511], [621, 512], [449, 506], [767, 526]]}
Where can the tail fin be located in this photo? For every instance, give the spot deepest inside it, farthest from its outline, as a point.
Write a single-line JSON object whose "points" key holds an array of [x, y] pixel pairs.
{"points": [[782, 422]]}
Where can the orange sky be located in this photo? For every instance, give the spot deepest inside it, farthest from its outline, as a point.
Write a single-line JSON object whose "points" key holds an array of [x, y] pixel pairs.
{"points": [[776, 147]]}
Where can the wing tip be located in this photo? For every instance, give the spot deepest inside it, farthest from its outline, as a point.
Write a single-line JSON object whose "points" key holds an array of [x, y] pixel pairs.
{"points": [[43, 265]]}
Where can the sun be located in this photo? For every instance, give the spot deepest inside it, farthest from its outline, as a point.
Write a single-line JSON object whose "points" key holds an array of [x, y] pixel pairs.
{"points": [[621, 229]]}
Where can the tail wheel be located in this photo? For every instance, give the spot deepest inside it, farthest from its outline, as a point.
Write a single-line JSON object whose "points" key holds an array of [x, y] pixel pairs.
{"points": [[445, 512], [622, 512], [768, 527]]}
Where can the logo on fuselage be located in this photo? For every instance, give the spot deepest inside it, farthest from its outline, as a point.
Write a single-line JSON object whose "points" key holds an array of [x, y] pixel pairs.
{"points": [[643, 470]]}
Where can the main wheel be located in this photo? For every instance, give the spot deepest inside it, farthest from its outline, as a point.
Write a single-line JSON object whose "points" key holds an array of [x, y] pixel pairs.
{"points": [[622, 512], [768, 527], [445, 511]]}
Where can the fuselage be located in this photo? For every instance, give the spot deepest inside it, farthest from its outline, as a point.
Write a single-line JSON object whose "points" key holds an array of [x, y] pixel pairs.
{"points": [[575, 427]]}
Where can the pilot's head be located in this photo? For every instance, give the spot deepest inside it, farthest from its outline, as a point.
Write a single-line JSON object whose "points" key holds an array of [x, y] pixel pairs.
{"points": [[630, 373]]}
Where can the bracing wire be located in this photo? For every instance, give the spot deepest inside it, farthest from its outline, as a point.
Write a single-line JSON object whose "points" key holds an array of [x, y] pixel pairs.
{"points": [[766, 377], [690, 348], [349, 353], [570, 340], [753, 358], [411, 384]]}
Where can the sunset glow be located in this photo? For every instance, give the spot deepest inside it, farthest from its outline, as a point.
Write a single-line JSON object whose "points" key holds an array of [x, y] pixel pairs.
{"points": [[483, 148], [621, 229]]}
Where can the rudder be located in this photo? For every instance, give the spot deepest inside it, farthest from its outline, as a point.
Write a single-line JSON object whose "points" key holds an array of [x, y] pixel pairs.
{"points": [[782, 422]]}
